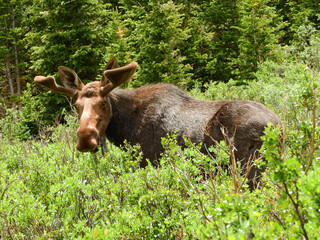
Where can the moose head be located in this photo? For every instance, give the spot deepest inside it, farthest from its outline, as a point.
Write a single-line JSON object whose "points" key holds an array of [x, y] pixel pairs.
{"points": [[91, 100]]}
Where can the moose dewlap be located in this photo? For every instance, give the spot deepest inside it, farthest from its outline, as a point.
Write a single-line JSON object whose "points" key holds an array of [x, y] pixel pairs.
{"points": [[146, 114]]}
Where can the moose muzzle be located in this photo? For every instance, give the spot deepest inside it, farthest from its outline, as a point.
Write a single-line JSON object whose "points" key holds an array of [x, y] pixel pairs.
{"points": [[87, 139]]}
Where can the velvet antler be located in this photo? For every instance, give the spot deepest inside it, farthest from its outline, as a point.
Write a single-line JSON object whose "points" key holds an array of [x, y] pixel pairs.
{"points": [[112, 78], [50, 82]]}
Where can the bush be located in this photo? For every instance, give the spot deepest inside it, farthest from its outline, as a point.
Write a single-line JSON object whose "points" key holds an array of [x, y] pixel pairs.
{"points": [[11, 126], [50, 190]]}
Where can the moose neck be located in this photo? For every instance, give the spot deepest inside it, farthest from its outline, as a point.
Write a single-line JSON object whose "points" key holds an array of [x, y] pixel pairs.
{"points": [[122, 102]]}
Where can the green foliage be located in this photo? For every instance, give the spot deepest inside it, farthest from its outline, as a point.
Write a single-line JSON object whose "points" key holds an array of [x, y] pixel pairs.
{"points": [[42, 110], [173, 41], [309, 191], [11, 126], [302, 14], [49, 190], [291, 162], [259, 33], [216, 40]]}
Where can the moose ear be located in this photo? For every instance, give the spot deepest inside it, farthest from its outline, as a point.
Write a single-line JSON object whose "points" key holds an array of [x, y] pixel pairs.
{"points": [[117, 76], [69, 78]]}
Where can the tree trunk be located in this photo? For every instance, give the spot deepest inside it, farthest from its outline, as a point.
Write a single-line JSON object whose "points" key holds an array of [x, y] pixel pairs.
{"points": [[7, 63], [16, 61], [8, 74]]}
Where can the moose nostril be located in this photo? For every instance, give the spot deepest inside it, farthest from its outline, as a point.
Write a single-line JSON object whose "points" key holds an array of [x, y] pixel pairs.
{"points": [[87, 132], [87, 139]]}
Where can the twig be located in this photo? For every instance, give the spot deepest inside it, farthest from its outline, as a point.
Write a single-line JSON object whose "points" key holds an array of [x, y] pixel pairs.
{"points": [[7, 187], [283, 224], [173, 167], [201, 207], [295, 205]]}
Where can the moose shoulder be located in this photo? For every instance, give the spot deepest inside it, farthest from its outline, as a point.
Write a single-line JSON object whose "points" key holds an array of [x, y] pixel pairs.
{"points": [[146, 114]]}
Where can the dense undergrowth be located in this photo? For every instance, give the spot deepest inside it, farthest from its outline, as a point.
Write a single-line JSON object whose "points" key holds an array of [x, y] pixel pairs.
{"points": [[48, 190]]}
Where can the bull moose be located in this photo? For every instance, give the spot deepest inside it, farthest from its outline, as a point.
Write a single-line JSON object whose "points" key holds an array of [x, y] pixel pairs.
{"points": [[146, 114]]}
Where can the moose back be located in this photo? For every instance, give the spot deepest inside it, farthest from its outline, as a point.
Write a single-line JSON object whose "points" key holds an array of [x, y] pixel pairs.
{"points": [[146, 114]]}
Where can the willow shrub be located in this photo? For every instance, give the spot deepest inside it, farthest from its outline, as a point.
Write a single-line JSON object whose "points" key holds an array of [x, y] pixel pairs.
{"points": [[49, 190]]}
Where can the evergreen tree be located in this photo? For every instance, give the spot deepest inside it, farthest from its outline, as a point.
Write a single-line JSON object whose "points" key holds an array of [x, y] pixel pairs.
{"points": [[69, 33], [219, 35], [260, 30]]}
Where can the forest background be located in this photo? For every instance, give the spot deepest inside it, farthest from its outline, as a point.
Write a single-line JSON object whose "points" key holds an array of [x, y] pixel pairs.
{"points": [[187, 43], [263, 50]]}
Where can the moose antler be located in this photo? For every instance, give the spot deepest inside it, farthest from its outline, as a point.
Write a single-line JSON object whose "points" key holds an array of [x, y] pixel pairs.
{"points": [[50, 82], [112, 78]]}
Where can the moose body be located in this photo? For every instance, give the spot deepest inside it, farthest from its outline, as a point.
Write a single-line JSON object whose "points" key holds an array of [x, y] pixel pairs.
{"points": [[146, 114]]}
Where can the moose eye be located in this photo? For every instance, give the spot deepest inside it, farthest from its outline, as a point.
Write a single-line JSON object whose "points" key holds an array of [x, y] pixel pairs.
{"points": [[104, 103], [76, 106]]}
